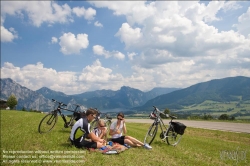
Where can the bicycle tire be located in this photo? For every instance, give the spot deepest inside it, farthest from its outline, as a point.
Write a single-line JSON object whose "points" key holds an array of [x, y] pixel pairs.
{"points": [[172, 137], [108, 123], [93, 124], [150, 136], [49, 122], [71, 122]]}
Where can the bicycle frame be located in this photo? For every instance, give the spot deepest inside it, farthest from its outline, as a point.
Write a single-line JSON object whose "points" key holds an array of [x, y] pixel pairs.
{"points": [[48, 122], [168, 134], [58, 110]]}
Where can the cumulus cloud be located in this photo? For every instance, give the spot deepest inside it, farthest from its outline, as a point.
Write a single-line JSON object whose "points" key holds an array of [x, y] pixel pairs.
{"points": [[88, 14], [243, 26], [38, 11], [54, 40], [98, 24], [71, 44], [8, 35], [36, 76], [99, 50]]}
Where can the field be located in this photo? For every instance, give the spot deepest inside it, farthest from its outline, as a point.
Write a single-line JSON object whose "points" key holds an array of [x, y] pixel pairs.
{"points": [[239, 109], [20, 138]]}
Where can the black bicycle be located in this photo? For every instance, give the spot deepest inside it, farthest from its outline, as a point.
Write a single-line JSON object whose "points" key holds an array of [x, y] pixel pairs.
{"points": [[48, 122], [172, 135]]}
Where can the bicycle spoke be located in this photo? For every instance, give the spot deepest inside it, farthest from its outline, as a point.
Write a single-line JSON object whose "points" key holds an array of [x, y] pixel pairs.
{"points": [[172, 137], [151, 134], [47, 123]]}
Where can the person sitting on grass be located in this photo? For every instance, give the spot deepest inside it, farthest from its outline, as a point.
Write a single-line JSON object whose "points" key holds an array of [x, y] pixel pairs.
{"points": [[81, 130], [117, 128], [101, 130]]}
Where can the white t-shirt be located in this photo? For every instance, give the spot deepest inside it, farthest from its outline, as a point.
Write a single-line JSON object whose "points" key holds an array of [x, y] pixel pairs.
{"points": [[113, 126]]}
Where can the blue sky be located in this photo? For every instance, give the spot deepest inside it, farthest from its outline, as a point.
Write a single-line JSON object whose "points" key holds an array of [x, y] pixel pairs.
{"points": [[79, 46]]}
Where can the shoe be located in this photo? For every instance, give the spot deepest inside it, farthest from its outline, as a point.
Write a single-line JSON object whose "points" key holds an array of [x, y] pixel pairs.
{"points": [[147, 146], [126, 145]]}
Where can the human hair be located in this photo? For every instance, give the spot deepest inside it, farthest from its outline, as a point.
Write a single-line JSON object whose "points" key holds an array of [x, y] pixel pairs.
{"points": [[101, 122], [120, 114], [91, 111]]}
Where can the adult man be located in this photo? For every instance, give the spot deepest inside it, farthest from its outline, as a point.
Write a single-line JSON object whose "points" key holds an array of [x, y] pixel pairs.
{"points": [[81, 130]]}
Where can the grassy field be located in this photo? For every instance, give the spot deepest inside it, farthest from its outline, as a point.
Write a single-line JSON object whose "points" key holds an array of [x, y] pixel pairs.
{"points": [[20, 138], [218, 108]]}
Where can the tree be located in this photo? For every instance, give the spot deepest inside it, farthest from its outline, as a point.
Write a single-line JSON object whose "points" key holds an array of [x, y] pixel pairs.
{"points": [[12, 101], [224, 117], [23, 109]]}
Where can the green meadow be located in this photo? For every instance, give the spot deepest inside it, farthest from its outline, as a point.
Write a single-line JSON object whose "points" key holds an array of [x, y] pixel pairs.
{"points": [[22, 144]]}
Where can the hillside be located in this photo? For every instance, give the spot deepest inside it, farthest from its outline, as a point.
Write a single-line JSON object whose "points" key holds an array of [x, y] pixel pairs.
{"points": [[221, 90], [125, 97]]}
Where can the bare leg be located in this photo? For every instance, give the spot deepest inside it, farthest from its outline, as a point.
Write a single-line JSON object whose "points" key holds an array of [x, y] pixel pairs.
{"points": [[134, 140], [127, 141]]}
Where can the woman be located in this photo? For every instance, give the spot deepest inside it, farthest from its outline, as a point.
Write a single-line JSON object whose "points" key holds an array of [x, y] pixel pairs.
{"points": [[117, 129]]}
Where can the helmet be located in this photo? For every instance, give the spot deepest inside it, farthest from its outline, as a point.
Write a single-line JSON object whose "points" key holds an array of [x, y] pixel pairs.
{"points": [[152, 116]]}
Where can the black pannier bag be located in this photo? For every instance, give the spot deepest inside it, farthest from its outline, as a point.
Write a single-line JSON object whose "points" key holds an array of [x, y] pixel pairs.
{"points": [[179, 128], [79, 115]]}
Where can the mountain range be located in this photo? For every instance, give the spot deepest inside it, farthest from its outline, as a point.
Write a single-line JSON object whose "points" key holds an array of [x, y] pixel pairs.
{"points": [[124, 98], [220, 90], [127, 98]]}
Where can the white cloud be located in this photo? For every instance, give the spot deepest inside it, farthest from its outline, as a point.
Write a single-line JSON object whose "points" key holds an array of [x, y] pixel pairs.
{"points": [[243, 25], [36, 76], [99, 50], [38, 11], [71, 44], [54, 40], [88, 14], [128, 35], [8, 35], [98, 24]]}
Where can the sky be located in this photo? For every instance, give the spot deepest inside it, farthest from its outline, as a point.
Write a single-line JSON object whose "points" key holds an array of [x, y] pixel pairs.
{"points": [[79, 46]]}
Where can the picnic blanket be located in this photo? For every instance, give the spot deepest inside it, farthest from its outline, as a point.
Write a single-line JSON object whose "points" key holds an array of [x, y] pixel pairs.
{"points": [[112, 148]]}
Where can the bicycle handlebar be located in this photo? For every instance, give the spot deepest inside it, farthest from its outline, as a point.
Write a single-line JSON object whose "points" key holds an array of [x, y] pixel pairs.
{"points": [[167, 115], [60, 103]]}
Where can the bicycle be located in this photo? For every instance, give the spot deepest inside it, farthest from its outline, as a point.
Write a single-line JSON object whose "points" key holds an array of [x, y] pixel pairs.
{"points": [[107, 120], [172, 135], [48, 122]]}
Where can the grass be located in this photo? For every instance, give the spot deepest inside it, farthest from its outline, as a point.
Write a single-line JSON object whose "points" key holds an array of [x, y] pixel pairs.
{"points": [[198, 146]]}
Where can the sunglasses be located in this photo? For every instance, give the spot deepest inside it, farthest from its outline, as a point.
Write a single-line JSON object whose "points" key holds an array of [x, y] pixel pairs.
{"points": [[102, 126], [119, 119]]}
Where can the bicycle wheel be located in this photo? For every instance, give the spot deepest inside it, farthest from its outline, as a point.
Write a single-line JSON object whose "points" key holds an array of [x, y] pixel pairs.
{"points": [[172, 137], [47, 123], [70, 123], [150, 136], [93, 124], [108, 123]]}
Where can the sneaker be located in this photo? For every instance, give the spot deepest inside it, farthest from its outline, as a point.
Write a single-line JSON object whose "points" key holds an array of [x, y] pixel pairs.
{"points": [[126, 145], [147, 146]]}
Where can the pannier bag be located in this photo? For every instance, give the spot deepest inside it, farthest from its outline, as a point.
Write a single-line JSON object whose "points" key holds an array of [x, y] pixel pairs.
{"points": [[179, 128], [79, 115]]}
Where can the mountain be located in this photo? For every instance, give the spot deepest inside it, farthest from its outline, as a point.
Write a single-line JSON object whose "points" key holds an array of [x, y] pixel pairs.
{"points": [[125, 97], [25, 97], [222, 90]]}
